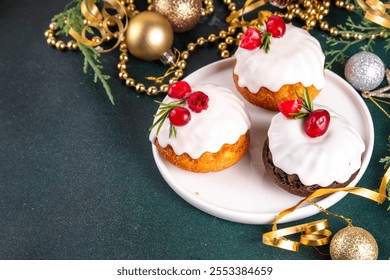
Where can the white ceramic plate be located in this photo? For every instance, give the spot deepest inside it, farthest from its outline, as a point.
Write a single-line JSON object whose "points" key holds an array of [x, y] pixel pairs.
{"points": [[244, 193]]}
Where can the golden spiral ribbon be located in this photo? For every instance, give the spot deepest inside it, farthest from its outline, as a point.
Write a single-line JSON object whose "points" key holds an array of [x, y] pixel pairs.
{"points": [[316, 233], [376, 11], [249, 6], [103, 22]]}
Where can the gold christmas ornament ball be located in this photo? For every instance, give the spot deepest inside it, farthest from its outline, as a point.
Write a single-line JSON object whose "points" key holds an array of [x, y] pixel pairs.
{"points": [[149, 35], [353, 243], [182, 14]]}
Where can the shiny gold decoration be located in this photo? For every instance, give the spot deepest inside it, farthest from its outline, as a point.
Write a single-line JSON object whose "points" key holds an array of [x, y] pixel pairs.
{"points": [[149, 35], [314, 234], [183, 15], [236, 18], [103, 22], [321, 236], [376, 11], [353, 243]]}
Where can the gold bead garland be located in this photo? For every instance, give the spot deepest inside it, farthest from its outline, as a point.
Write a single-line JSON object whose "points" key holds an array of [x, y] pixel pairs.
{"points": [[311, 12]]}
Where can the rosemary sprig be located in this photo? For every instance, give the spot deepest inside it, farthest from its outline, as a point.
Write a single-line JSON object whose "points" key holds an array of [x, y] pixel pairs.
{"points": [[266, 41], [307, 104], [163, 114]]}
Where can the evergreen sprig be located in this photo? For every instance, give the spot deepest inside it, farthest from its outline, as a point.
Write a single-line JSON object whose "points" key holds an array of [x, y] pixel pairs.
{"points": [[71, 17], [339, 46]]}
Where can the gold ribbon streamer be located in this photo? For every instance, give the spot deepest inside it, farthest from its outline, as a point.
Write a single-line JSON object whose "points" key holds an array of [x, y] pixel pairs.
{"points": [[384, 182], [376, 11], [102, 22], [315, 233], [249, 6]]}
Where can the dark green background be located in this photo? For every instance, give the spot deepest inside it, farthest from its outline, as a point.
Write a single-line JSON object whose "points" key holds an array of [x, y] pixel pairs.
{"points": [[77, 175]]}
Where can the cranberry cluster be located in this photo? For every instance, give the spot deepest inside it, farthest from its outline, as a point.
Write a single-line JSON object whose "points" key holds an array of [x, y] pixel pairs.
{"points": [[197, 102], [254, 38]]}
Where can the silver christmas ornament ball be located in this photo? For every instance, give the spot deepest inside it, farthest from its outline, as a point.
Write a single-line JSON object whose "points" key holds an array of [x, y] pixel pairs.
{"points": [[364, 71]]}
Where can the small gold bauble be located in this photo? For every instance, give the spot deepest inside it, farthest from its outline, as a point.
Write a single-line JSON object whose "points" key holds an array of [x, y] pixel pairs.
{"points": [[149, 35], [182, 14], [353, 243]]}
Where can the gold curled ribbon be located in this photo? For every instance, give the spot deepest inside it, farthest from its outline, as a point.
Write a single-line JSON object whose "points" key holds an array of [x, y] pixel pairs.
{"points": [[376, 11], [249, 6], [384, 182], [316, 233], [103, 22]]}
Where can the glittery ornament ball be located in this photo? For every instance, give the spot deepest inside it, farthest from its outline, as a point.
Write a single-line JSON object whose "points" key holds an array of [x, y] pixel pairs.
{"points": [[364, 71], [182, 14], [353, 243]]}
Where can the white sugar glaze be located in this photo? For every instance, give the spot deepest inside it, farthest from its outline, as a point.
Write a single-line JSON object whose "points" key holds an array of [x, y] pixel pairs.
{"points": [[295, 57], [333, 157], [223, 122]]}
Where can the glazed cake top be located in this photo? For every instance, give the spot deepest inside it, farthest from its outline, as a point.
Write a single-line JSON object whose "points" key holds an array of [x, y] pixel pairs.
{"points": [[295, 57], [223, 122]]}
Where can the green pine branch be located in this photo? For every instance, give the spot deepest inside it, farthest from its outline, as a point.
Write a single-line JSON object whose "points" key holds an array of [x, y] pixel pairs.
{"points": [[339, 46], [74, 19]]}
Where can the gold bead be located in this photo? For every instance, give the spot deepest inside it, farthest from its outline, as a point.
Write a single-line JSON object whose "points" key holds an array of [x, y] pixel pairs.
{"points": [[172, 80], [179, 73], [311, 22], [225, 54], [307, 3], [50, 40], [152, 90], [346, 35], [53, 26], [140, 87], [383, 34], [289, 16], [121, 66], [222, 46], [130, 82], [49, 33], [229, 40], [201, 41], [72, 45], [227, 2], [232, 7], [350, 7], [191, 47], [60, 45], [123, 57], [231, 30], [123, 47], [164, 88], [324, 25], [123, 75], [325, 12], [334, 31], [212, 38], [358, 36], [181, 64], [303, 16], [185, 55], [222, 34], [319, 17], [373, 36], [326, 3]]}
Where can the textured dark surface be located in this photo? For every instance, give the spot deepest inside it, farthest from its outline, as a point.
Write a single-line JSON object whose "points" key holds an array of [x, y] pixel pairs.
{"points": [[77, 175]]}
